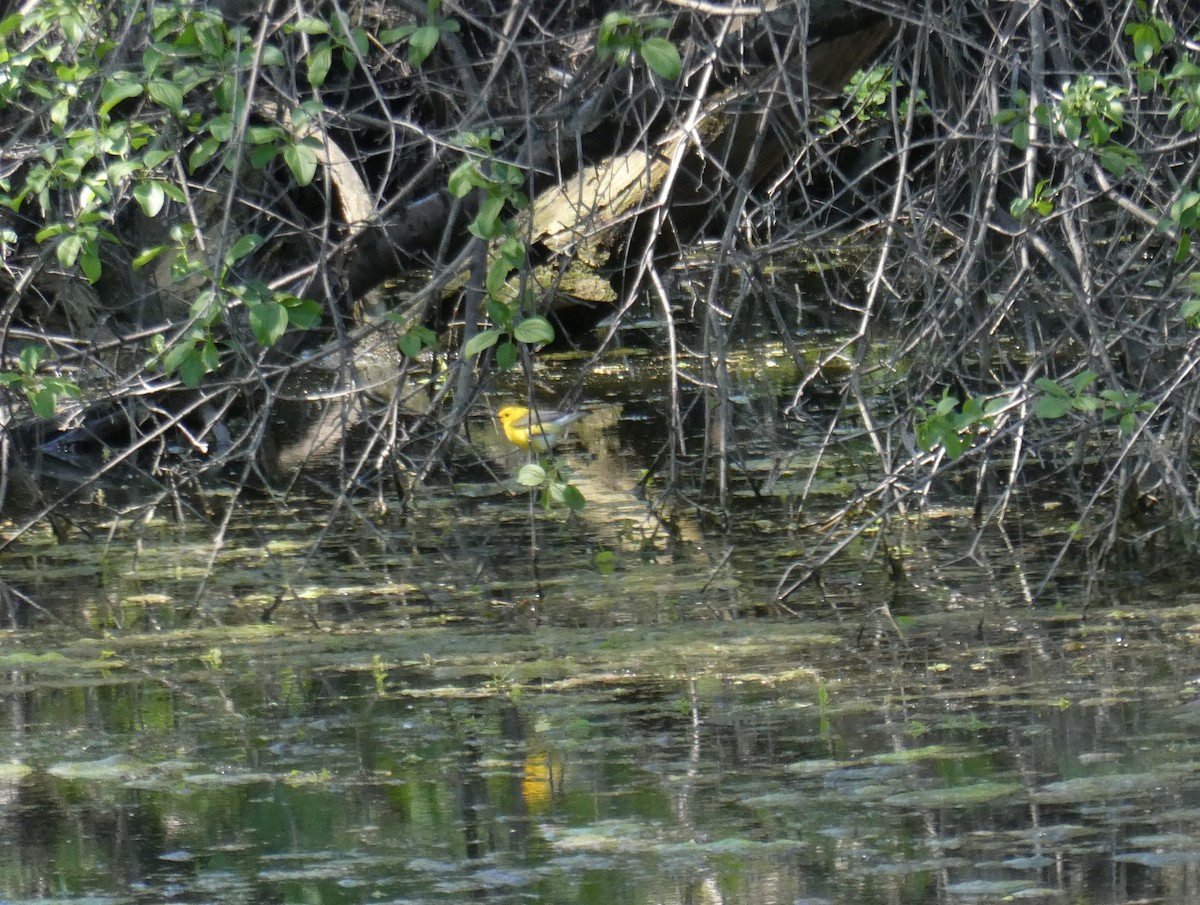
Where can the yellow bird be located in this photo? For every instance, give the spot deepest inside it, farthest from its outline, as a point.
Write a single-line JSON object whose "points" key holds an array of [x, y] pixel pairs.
{"points": [[539, 429]]}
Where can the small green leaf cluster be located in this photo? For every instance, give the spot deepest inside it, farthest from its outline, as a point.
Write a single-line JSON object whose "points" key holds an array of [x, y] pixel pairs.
{"points": [[116, 134], [1190, 310], [621, 36], [498, 182], [270, 312], [954, 426], [42, 390], [415, 339], [1057, 401], [422, 39], [1183, 217], [1087, 114], [1042, 202], [1181, 83], [555, 488], [354, 43], [867, 98]]}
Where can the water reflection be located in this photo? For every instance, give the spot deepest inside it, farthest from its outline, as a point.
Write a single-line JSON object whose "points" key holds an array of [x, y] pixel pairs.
{"points": [[753, 761]]}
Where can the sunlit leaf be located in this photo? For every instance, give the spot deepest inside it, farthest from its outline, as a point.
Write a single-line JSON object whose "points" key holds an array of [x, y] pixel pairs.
{"points": [[535, 331], [302, 161], [1052, 407], [67, 250], [310, 26], [90, 264], [269, 322], [320, 58], [150, 197], [482, 341], [422, 43], [506, 355], [305, 314], [113, 91], [167, 94], [242, 247], [191, 368], [147, 256], [531, 475], [42, 402], [661, 56]]}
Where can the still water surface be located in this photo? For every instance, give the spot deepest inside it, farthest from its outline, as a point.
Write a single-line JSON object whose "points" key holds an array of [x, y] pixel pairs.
{"points": [[414, 725]]}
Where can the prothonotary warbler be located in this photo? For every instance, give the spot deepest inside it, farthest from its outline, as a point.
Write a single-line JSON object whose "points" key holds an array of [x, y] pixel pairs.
{"points": [[539, 429]]}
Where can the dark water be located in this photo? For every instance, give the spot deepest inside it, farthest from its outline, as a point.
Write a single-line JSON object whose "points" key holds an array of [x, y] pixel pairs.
{"points": [[416, 724]]}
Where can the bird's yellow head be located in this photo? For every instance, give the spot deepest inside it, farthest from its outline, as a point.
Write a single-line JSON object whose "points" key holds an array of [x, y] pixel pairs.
{"points": [[536, 430]]}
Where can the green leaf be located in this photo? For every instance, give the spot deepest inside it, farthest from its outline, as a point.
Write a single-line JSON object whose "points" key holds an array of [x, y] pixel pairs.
{"points": [[61, 386], [209, 356], [1051, 407], [463, 178], [569, 495], [487, 222], [506, 355], [220, 127], [90, 263], [531, 475], [167, 94], [512, 251], [242, 247], [147, 256], [535, 331], [1184, 248], [42, 402], [265, 135], [262, 155], [955, 444], [269, 322], [1114, 161], [1046, 385], [320, 59], [661, 56], [58, 113], [150, 197], [410, 344], [499, 311], [203, 153], [1020, 135], [191, 368], [305, 315], [114, 90], [310, 26], [392, 35], [68, 250], [1083, 380], [30, 359], [422, 43], [497, 277], [1145, 40], [174, 357], [482, 341], [302, 161]]}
